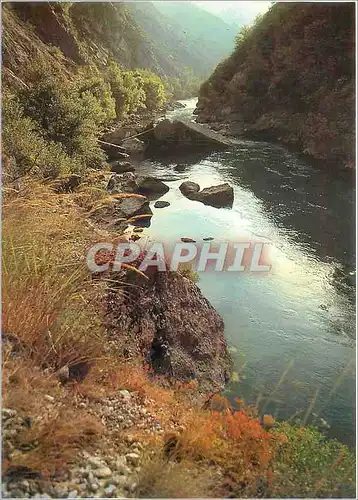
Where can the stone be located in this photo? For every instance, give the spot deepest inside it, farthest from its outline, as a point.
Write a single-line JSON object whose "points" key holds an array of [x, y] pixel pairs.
{"points": [[164, 129], [125, 394], [125, 183], [133, 458], [131, 206], [209, 238], [134, 146], [8, 413], [49, 398], [72, 494], [138, 230], [180, 167], [63, 374], [187, 240], [150, 185], [187, 188], [161, 204], [110, 491], [120, 167], [103, 472], [134, 237], [216, 196], [95, 462], [60, 491]]}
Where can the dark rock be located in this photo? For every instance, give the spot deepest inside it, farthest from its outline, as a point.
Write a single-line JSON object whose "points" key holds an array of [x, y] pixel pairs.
{"points": [[125, 183], [134, 146], [167, 320], [138, 230], [216, 196], [208, 239], [151, 186], [114, 152], [187, 240], [119, 167], [161, 204], [128, 207], [188, 188], [135, 237], [184, 135], [164, 130], [180, 167]]}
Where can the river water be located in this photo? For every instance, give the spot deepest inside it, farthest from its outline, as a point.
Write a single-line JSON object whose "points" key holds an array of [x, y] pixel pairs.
{"points": [[292, 331]]}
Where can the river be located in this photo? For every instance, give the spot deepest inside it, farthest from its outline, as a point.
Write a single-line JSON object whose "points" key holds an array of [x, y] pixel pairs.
{"points": [[292, 332]]}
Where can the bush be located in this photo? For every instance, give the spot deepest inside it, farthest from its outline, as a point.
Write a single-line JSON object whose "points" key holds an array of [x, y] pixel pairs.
{"points": [[26, 149], [51, 128]]}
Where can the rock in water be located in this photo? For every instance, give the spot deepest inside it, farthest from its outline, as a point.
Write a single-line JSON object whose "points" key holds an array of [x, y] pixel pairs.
{"points": [[180, 167], [188, 188], [134, 146], [119, 167], [161, 204], [151, 186], [168, 321], [216, 196]]}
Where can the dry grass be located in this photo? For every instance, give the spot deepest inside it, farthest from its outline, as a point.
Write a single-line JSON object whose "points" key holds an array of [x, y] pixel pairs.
{"points": [[161, 478], [49, 302]]}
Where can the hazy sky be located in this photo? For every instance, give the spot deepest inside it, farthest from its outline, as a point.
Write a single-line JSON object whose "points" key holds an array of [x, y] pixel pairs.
{"points": [[248, 10]]}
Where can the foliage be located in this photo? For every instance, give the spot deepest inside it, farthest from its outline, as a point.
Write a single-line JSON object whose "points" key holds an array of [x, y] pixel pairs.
{"points": [[291, 76], [310, 465]]}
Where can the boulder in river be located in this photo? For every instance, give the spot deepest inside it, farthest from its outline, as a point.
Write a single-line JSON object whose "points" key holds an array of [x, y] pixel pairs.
{"points": [[119, 167], [180, 167], [185, 136], [134, 146], [151, 186], [161, 204], [188, 188], [216, 196], [169, 322], [187, 240]]}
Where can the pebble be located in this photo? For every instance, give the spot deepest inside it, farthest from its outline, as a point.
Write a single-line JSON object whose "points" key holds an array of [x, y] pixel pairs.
{"points": [[49, 398], [103, 472], [110, 491], [133, 458]]}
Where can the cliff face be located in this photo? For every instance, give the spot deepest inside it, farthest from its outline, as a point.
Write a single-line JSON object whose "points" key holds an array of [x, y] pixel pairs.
{"points": [[173, 326], [290, 78]]}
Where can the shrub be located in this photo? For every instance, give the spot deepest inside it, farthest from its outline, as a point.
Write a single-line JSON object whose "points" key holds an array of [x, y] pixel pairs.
{"points": [[25, 148], [309, 465]]}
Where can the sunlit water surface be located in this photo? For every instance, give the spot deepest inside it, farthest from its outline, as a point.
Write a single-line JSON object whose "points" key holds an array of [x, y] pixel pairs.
{"points": [[291, 332]]}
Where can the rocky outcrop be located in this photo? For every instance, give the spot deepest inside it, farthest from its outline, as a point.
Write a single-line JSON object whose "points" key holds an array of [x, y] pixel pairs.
{"points": [[167, 320], [287, 82], [180, 135]]}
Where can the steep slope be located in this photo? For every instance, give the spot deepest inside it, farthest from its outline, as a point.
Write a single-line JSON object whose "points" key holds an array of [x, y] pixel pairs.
{"points": [[205, 37], [290, 78]]}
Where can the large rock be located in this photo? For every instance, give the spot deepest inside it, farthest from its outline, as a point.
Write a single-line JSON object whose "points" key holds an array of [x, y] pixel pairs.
{"points": [[125, 183], [164, 129], [184, 136], [134, 146], [216, 196], [128, 207], [113, 151], [167, 320], [188, 188], [119, 167], [151, 186]]}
